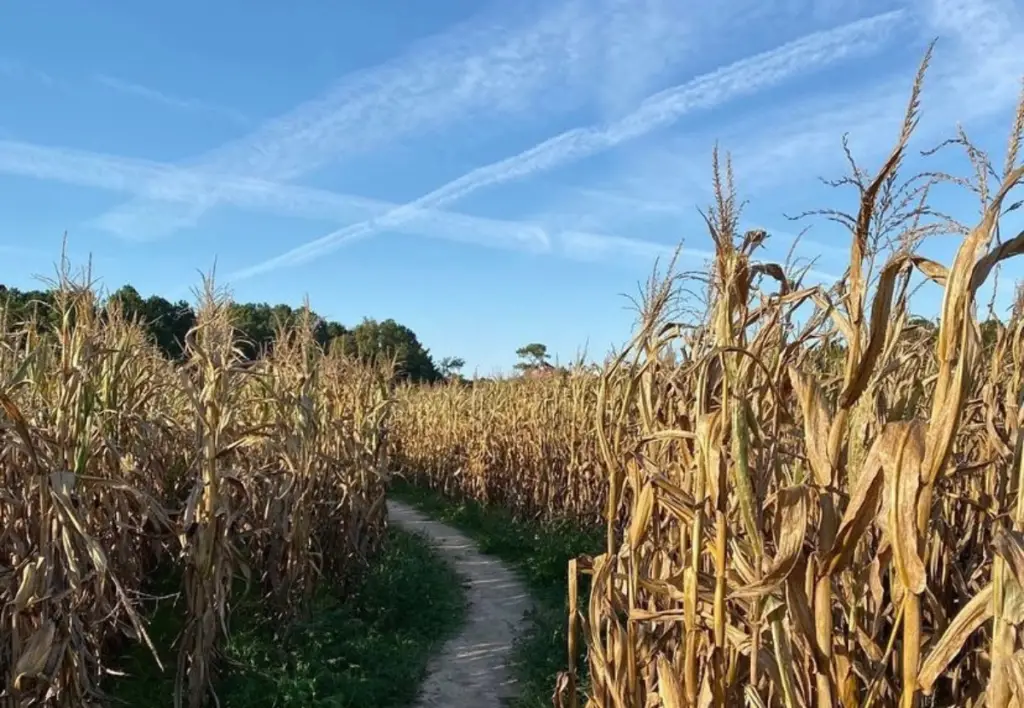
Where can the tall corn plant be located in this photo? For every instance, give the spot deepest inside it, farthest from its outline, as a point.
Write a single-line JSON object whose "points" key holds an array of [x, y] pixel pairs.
{"points": [[214, 381], [351, 513], [102, 435], [292, 375], [73, 504], [777, 536], [526, 445]]}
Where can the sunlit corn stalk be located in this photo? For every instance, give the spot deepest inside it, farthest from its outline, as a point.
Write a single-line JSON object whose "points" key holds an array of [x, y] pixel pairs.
{"points": [[292, 380], [68, 512], [823, 514], [213, 381], [102, 434]]}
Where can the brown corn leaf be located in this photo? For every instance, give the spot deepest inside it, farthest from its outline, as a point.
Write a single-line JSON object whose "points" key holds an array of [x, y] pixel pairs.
{"points": [[1015, 671], [936, 272], [865, 502], [983, 267], [880, 309], [974, 614], [792, 522], [801, 615], [841, 321], [817, 420], [32, 661], [1013, 601], [639, 524], [753, 698], [674, 500], [669, 689], [1009, 544], [28, 585], [902, 457]]}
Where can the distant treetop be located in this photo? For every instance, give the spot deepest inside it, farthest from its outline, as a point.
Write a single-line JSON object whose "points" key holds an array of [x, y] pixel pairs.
{"points": [[167, 324]]}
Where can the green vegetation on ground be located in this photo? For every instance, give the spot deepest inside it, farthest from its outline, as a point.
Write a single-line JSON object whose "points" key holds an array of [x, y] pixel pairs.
{"points": [[540, 552], [368, 651]]}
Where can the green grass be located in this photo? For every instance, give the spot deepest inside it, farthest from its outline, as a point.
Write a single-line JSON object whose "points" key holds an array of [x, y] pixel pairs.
{"points": [[369, 651], [540, 552]]}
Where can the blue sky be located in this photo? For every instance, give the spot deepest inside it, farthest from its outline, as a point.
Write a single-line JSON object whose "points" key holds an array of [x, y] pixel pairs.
{"points": [[487, 173]]}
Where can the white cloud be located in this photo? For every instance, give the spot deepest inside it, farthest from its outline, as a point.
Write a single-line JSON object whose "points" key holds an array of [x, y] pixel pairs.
{"points": [[873, 121], [741, 78], [468, 75], [126, 175], [14, 69], [975, 75], [609, 51], [184, 104], [631, 202], [978, 25], [590, 246]]}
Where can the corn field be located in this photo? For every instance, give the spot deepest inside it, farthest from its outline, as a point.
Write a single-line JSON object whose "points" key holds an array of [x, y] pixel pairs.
{"points": [[525, 445], [811, 498], [117, 464]]}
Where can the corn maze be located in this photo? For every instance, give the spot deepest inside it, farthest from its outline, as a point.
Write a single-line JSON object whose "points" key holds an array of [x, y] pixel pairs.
{"points": [[811, 498], [117, 463]]}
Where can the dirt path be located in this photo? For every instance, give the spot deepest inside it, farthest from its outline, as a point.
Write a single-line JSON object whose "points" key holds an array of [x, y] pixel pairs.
{"points": [[471, 670]]}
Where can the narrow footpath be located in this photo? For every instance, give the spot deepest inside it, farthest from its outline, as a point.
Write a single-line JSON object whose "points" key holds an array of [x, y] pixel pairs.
{"points": [[473, 669]]}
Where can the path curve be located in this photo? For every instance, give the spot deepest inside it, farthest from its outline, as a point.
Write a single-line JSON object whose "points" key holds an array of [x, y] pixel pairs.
{"points": [[473, 669]]}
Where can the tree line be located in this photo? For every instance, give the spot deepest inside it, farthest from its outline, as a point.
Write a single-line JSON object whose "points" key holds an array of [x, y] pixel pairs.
{"points": [[168, 322]]}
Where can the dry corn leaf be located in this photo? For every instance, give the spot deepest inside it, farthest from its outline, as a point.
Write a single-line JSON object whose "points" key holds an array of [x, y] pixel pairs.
{"points": [[670, 691], [817, 421], [792, 524], [1009, 544], [674, 500], [642, 511], [902, 456], [1015, 672], [983, 267], [934, 271], [34, 656], [801, 614], [1013, 601], [880, 309], [974, 614], [28, 586], [865, 502]]}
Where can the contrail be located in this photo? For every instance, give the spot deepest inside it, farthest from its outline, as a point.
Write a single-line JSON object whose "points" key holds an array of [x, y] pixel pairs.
{"points": [[741, 78], [121, 174], [481, 68]]}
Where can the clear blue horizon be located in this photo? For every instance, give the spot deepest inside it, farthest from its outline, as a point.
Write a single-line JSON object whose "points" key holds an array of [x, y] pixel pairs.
{"points": [[488, 174]]}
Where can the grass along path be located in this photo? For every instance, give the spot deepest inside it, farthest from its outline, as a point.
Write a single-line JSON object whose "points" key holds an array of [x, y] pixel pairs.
{"points": [[474, 668], [369, 651], [540, 553]]}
